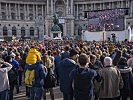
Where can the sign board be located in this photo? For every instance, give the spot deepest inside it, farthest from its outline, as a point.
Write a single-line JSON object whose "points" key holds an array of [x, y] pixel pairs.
{"points": [[61, 21]]}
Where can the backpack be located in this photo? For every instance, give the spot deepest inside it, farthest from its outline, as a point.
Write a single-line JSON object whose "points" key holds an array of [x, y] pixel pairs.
{"points": [[13, 76], [29, 79], [50, 80]]}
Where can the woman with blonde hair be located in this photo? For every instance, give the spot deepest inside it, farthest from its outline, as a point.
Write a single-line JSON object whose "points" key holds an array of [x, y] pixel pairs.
{"points": [[50, 78]]}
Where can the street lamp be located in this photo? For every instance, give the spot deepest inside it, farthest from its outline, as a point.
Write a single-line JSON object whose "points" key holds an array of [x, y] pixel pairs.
{"points": [[103, 32]]}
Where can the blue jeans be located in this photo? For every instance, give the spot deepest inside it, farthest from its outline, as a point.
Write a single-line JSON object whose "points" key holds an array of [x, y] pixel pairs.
{"points": [[36, 93], [4, 95]]}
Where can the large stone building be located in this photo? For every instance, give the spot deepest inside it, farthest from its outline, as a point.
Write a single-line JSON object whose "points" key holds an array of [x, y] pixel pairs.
{"points": [[34, 18]]}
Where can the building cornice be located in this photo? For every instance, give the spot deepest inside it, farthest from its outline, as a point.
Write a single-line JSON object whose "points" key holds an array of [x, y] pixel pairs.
{"points": [[23, 2], [94, 1]]}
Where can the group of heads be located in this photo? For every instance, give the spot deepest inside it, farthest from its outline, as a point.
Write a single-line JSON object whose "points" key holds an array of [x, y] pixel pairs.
{"points": [[84, 59]]}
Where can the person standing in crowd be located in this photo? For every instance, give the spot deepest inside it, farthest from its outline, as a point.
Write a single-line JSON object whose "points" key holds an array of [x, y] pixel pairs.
{"points": [[82, 78], [4, 83], [13, 76], [37, 90], [20, 70], [116, 56], [50, 78], [66, 53], [125, 73], [64, 69], [15, 64], [57, 59], [96, 65], [130, 64], [33, 56], [111, 83]]}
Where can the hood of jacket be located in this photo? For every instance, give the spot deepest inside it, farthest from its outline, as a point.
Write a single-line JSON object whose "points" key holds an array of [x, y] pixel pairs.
{"points": [[68, 62], [32, 50], [124, 69]]}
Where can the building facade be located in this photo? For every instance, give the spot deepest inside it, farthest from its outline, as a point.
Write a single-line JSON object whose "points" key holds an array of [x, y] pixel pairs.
{"points": [[34, 18]]}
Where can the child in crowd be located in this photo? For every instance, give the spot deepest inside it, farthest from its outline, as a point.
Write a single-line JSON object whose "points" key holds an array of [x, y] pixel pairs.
{"points": [[33, 56]]}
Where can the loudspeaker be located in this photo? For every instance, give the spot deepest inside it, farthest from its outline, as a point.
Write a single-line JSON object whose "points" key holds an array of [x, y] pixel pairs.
{"points": [[126, 12], [85, 15]]}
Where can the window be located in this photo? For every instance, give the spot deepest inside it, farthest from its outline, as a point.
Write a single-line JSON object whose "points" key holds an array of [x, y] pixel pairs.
{"points": [[22, 16], [13, 16], [31, 31], [31, 16], [12, 7], [5, 31], [22, 31], [3, 15], [3, 6], [14, 31]]}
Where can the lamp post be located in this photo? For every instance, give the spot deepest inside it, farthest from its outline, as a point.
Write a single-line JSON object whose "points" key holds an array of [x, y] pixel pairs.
{"points": [[103, 32]]}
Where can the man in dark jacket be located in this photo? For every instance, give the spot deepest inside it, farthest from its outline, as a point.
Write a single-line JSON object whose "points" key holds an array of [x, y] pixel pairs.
{"points": [[64, 69], [83, 79], [65, 54]]}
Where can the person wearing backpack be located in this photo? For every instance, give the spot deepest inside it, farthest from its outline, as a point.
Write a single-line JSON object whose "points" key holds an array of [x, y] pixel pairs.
{"points": [[4, 83], [34, 79]]}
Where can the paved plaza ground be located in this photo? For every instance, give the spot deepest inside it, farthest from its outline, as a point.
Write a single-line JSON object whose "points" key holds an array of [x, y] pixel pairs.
{"points": [[22, 95]]}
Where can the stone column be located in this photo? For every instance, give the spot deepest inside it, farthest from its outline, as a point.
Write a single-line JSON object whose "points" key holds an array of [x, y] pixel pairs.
{"points": [[52, 7], [72, 27], [103, 6], [16, 11], [42, 12], [47, 7], [83, 6], [0, 11], [28, 11], [92, 6], [121, 4], [6, 12], [109, 5], [36, 11], [77, 11], [65, 29], [127, 4], [25, 12], [67, 8], [9, 11], [46, 26], [131, 13], [71, 7], [19, 11]]}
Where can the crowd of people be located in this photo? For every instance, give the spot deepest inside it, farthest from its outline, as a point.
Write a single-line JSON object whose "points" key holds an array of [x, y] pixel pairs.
{"points": [[82, 70]]}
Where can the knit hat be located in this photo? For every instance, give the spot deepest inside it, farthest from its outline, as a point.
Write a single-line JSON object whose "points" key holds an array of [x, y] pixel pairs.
{"points": [[107, 61]]}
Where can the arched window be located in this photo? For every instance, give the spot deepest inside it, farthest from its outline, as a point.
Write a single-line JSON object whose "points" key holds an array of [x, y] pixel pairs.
{"points": [[22, 31], [31, 31], [5, 31], [14, 32]]}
